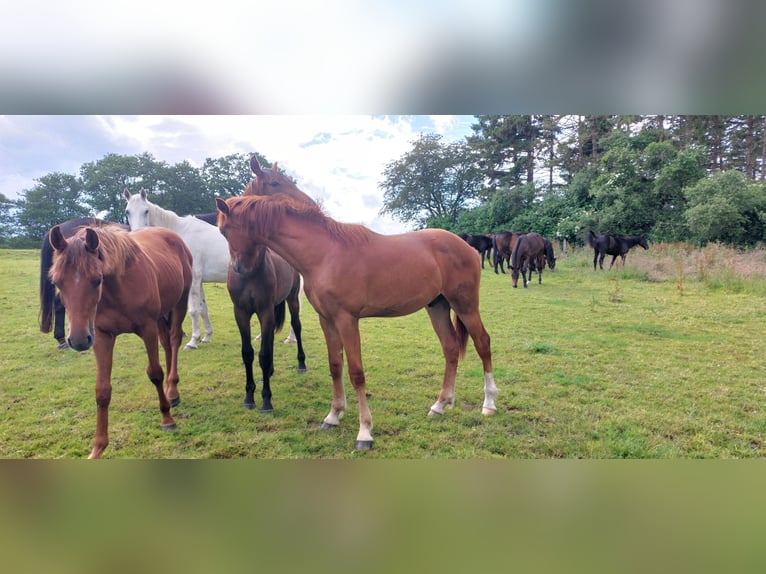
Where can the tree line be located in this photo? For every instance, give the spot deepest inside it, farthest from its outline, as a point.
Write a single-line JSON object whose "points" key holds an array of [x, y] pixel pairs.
{"points": [[673, 178], [97, 190]]}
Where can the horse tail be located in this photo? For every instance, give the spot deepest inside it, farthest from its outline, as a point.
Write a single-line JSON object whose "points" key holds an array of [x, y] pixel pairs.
{"points": [[279, 316], [47, 289], [462, 337], [515, 254]]}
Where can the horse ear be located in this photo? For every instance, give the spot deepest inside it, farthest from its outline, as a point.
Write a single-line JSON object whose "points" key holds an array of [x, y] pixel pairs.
{"points": [[91, 240], [143, 193], [126, 193], [56, 239], [274, 167], [222, 206], [255, 167]]}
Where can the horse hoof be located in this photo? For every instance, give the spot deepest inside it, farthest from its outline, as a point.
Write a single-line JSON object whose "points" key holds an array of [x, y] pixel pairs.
{"points": [[189, 346], [175, 402], [168, 427], [249, 406], [327, 426], [267, 410], [433, 413], [302, 370], [363, 445], [488, 411]]}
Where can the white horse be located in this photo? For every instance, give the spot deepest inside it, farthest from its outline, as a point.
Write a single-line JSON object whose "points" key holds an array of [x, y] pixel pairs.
{"points": [[209, 248], [210, 252]]}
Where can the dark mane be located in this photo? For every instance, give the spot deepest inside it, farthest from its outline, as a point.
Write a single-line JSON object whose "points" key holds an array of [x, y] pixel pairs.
{"points": [[261, 211]]}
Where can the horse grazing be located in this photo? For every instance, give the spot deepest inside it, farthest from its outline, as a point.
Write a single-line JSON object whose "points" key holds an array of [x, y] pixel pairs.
{"points": [[261, 282], [529, 249], [351, 272], [208, 247], [52, 312], [114, 282], [613, 245], [502, 246], [481, 243]]}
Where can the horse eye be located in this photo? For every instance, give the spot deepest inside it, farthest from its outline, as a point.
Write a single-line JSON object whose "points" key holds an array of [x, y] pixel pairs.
{"points": [[95, 283], [274, 184]]}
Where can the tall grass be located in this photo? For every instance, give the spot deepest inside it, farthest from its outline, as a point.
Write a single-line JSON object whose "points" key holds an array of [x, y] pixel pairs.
{"points": [[661, 358]]}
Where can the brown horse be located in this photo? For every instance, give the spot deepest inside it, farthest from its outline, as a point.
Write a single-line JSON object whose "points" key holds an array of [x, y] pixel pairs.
{"points": [[259, 281], [52, 312], [528, 251], [351, 272], [502, 245], [114, 282]]}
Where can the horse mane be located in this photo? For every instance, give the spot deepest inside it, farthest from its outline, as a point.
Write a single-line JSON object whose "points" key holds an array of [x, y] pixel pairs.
{"points": [[116, 250], [262, 210]]}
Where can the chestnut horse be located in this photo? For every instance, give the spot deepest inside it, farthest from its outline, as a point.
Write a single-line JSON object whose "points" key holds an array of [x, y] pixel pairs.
{"points": [[52, 312], [351, 272], [529, 251], [114, 282], [502, 246]]}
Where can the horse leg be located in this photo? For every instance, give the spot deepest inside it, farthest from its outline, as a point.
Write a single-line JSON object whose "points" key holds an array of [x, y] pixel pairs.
{"points": [[205, 316], [348, 328], [242, 319], [266, 356], [439, 313], [595, 258], [294, 304], [612, 263], [195, 310], [335, 359], [171, 361], [481, 342], [601, 260], [103, 349], [150, 335], [59, 313]]}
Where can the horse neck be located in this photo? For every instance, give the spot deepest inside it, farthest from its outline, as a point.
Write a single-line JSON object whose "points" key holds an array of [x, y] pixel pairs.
{"points": [[303, 244], [160, 217]]}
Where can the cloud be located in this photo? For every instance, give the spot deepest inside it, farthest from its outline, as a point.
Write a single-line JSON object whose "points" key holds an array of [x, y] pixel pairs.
{"points": [[338, 159]]}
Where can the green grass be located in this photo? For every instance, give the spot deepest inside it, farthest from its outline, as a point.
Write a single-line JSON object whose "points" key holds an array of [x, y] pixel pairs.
{"points": [[662, 359]]}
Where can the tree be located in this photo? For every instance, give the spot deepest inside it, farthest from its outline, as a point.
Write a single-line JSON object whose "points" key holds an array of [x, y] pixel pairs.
{"points": [[431, 183], [56, 197], [105, 180], [726, 207], [229, 175]]}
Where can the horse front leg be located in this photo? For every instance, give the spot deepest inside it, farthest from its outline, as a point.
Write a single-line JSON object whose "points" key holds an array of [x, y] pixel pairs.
{"points": [[242, 319], [266, 357], [335, 360], [348, 327], [614, 257], [150, 335], [103, 349]]}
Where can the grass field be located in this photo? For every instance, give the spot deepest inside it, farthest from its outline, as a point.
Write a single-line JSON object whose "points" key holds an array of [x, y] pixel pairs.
{"points": [[661, 359]]}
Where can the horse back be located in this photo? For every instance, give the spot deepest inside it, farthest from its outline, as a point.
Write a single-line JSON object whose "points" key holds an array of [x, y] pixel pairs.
{"points": [[168, 264]]}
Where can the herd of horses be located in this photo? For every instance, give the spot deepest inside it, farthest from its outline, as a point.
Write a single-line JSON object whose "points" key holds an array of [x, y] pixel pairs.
{"points": [[269, 245]]}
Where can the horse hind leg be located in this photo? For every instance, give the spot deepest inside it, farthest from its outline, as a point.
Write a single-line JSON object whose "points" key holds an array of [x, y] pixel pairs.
{"points": [[205, 316], [296, 331], [472, 322], [195, 311], [439, 313]]}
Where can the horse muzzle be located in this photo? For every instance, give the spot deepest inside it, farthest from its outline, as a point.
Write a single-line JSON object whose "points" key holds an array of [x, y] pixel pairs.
{"points": [[81, 340]]}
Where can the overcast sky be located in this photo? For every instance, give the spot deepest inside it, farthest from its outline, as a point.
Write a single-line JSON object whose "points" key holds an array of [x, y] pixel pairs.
{"points": [[336, 158]]}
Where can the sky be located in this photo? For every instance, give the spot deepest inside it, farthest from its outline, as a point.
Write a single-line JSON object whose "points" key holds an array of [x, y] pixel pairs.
{"points": [[338, 159]]}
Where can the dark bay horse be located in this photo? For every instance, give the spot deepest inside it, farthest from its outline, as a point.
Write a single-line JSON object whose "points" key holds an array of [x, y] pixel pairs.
{"points": [[481, 243], [529, 250], [260, 281], [351, 272], [502, 246], [113, 282], [613, 245], [52, 312]]}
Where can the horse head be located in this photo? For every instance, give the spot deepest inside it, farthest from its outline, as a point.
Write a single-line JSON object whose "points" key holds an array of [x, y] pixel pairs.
{"points": [[77, 272], [270, 181], [643, 242], [137, 209]]}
